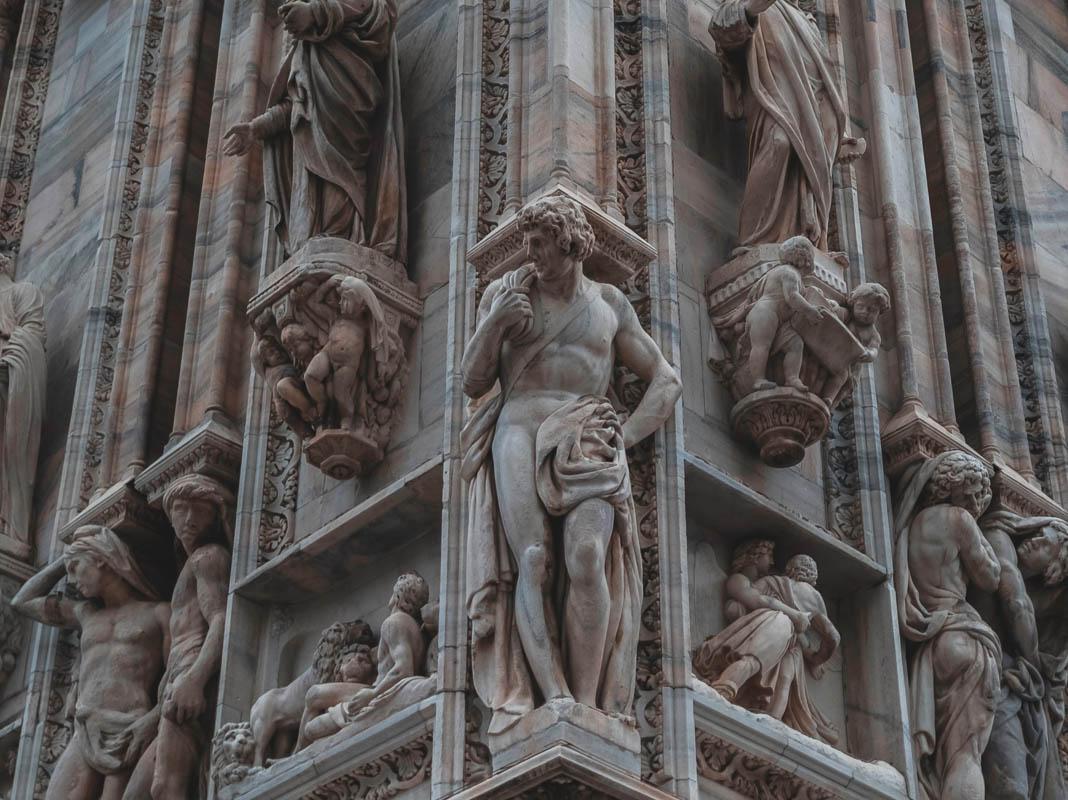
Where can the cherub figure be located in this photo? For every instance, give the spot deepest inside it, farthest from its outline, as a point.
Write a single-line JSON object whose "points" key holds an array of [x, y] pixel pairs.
{"points": [[766, 314], [358, 326], [357, 672], [272, 362], [865, 305]]}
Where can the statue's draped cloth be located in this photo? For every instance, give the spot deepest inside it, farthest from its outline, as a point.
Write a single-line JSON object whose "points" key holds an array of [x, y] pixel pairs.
{"points": [[335, 164], [946, 717], [776, 74], [779, 688], [22, 400], [571, 467]]}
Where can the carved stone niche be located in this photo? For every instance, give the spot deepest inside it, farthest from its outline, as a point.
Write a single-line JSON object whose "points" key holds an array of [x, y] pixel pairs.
{"points": [[784, 410], [328, 342]]}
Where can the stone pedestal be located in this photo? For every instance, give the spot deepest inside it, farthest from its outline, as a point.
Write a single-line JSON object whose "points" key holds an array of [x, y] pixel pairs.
{"points": [[300, 313], [565, 722]]}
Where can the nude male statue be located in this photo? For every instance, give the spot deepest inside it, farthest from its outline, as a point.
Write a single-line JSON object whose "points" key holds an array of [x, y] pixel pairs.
{"points": [[546, 462], [955, 665], [124, 638], [199, 510]]}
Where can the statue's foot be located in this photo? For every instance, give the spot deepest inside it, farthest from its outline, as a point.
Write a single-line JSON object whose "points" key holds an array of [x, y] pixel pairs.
{"points": [[797, 384], [763, 384], [740, 251], [827, 401]]}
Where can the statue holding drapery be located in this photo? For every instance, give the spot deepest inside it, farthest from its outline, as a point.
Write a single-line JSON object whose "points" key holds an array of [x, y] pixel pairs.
{"points": [[778, 75], [333, 161]]}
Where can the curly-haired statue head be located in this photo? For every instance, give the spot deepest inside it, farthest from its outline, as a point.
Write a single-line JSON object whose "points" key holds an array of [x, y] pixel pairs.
{"points": [[336, 644], [757, 553], [199, 509], [959, 479], [803, 568], [798, 251], [410, 593], [564, 222], [1045, 550]]}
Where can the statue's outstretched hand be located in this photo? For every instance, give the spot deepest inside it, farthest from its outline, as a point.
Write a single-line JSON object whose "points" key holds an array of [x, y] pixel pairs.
{"points": [[238, 139]]}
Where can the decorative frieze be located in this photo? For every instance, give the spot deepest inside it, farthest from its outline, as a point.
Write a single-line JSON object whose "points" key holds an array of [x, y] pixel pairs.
{"points": [[727, 764], [386, 776], [493, 127]]}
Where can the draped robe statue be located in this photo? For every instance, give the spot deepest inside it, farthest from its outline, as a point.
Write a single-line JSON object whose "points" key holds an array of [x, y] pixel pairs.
{"points": [[332, 133], [22, 398], [777, 74]]}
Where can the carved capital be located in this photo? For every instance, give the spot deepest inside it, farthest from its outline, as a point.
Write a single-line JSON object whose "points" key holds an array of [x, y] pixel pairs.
{"points": [[212, 449]]}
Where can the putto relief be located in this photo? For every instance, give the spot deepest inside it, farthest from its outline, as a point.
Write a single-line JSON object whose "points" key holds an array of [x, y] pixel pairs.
{"points": [[778, 630], [356, 679], [327, 322], [789, 349], [790, 334]]}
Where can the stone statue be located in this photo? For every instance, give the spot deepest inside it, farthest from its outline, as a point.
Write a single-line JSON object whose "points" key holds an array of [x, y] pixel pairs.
{"points": [[954, 674], [401, 658], [765, 319], [778, 626], [1021, 759], [357, 672], [865, 305], [278, 715], [124, 640], [232, 750], [22, 399], [292, 403], [778, 75], [360, 354], [332, 135], [545, 458], [199, 510]]}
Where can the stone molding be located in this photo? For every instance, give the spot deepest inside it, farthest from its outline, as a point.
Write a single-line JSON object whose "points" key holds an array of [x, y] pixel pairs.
{"points": [[727, 286], [762, 758], [562, 773], [212, 449], [382, 761], [912, 437], [618, 254], [123, 509], [22, 131], [493, 117]]}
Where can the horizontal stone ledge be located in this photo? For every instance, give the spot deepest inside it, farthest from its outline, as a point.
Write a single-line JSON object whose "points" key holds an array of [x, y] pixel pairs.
{"points": [[333, 758], [781, 748], [398, 514], [732, 511]]}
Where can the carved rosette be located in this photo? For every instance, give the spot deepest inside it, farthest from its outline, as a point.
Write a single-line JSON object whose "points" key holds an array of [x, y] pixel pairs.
{"points": [[782, 421], [329, 327]]}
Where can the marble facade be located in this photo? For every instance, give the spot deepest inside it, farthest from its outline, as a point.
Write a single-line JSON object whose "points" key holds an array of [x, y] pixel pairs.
{"points": [[300, 535]]}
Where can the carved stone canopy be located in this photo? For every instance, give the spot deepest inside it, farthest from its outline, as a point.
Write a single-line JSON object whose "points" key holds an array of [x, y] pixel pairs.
{"points": [[617, 254], [328, 343]]}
